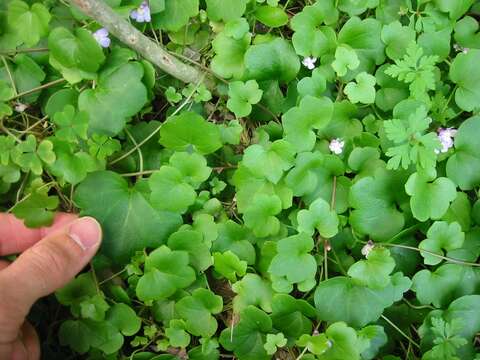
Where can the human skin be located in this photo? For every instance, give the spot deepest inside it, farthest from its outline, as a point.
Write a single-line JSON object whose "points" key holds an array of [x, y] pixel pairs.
{"points": [[49, 259]]}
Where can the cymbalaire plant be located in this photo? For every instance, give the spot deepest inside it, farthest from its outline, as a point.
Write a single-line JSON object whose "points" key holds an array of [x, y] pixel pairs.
{"points": [[275, 179]]}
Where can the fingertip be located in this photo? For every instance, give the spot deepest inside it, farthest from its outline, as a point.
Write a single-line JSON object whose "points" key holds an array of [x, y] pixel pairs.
{"points": [[86, 232]]}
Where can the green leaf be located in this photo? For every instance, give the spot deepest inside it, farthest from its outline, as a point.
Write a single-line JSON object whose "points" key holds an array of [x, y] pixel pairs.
{"points": [[30, 24], [252, 290], [363, 91], [77, 56], [412, 145], [260, 215], [364, 36], [316, 344], [229, 265], [176, 14], [274, 60], [124, 318], [397, 38], [242, 96], [271, 16], [292, 316], [445, 284], [319, 216], [302, 179], [189, 130], [455, 8], [192, 242], [466, 32], [225, 10], [462, 73], [77, 335], [101, 146], [82, 287], [229, 59], [31, 156], [131, 224], [344, 343], [193, 167], [248, 335], [293, 264], [375, 271], [463, 167], [270, 160], [118, 96], [340, 299], [231, 133], [273, 342], [447, 341], [165, 272], [374, 203], [170, 191], [300, 121], [27, 75], [72, 125], [441, 235], [82, 334], [429, 200], [376, 337], [37, 210], [237, 28], [176, 334], [314, 86], [417, 70], [197, 311], [466, 310], [234, 237], [345, 59], [310, 38], [94, 308]]}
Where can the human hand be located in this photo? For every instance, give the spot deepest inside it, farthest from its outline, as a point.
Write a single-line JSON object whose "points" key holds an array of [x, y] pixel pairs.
{"points": [[50, 258]]}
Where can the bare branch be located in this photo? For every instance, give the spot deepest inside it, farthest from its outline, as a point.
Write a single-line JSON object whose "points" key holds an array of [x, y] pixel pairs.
{"points": [[129, 35]]}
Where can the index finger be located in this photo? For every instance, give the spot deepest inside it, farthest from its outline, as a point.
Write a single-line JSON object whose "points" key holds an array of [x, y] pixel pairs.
{"points": [[15, 237]]}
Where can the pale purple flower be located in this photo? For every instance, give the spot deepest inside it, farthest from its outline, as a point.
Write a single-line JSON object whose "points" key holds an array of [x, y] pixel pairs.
{"points": [[142, 13], [101, 35], [445, 136], [309, 62], [336, 146]]}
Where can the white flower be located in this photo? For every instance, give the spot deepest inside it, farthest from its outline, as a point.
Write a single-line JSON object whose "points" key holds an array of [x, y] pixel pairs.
{"points": [[101, 35], [309, 62], [367, 248], [459, 48], [445, 136], [336, 146], [19, 107]]}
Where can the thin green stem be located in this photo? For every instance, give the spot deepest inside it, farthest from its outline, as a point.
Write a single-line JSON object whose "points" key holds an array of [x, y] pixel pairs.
{"points": [[139, 151], [38, 88], [418, 307], [22, 51], [446, 258], [111, 277], [301, 354], [9, 73], [400, 331]]}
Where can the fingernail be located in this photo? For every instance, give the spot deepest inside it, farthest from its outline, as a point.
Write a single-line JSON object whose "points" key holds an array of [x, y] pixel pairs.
{"points": [[86, 232]]}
